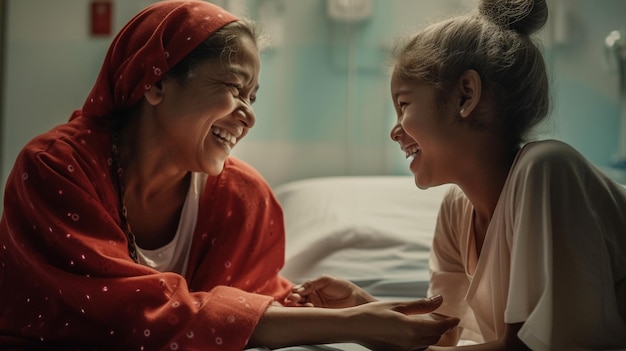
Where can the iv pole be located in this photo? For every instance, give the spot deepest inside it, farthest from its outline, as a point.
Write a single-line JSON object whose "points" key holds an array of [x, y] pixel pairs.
{"points": [[616, 52]]}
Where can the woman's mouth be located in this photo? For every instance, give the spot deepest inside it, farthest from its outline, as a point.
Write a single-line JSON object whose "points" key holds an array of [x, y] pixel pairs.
{"points": [[224, 137]]}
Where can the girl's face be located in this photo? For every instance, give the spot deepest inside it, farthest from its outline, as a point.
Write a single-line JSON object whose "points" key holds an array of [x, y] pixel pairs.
{"points": [[427, 132], [200, 120]]}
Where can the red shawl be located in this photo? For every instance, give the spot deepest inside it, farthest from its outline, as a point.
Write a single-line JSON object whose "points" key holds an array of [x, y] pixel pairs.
{"points": [[66, 278]]}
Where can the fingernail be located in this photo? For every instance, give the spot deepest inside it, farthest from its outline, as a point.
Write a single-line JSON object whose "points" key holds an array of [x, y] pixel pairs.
{"points": [[436, 298]]}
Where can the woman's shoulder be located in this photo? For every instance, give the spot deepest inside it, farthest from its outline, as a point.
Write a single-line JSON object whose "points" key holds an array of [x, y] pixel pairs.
{"points": [[239, 174], [75, 137], [242, 169]]}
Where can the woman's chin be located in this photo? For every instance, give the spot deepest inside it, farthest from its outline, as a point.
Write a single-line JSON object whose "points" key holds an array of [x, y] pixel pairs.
{"points": [[214, 167]]}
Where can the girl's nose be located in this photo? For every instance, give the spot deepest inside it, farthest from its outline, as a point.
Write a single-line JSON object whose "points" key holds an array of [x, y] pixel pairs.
{"points": [[396, 132]]}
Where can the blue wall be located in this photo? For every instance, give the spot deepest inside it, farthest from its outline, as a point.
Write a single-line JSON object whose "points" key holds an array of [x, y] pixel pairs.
{"points": [[585, 85], [324, 106]]}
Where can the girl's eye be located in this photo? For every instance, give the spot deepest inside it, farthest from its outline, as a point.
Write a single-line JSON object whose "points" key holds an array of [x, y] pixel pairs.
{"points": [[401, 105]]}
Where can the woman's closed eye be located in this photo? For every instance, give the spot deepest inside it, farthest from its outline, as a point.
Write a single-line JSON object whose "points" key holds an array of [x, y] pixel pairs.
{"points": [[237, 90]]}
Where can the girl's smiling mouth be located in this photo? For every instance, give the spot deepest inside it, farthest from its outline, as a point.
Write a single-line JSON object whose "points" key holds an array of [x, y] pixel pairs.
{"points": [[411, 150]]}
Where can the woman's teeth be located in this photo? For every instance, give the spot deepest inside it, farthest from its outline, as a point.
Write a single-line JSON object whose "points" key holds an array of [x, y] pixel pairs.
{"points": [[224, 136]]}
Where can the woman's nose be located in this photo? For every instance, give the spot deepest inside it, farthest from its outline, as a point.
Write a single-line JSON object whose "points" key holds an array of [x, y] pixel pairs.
{"points": [[245, 115]]}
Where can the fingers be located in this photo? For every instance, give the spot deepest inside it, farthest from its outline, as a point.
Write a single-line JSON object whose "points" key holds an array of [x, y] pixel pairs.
{"points": [[438, 324], [443, 325], [312, 285], [296, 300], [421, 306]]}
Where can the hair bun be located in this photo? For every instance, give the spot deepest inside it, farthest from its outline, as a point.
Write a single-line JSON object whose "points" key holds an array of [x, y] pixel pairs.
{"points": [[523, 16]]}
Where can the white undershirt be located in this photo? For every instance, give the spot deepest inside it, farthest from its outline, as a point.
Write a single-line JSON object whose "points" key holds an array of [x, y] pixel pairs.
{"points": [[173, 256]]}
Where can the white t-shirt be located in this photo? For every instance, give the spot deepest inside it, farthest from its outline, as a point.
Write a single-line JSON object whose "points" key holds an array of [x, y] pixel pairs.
{"points": [[554, 256], [173, 256]]}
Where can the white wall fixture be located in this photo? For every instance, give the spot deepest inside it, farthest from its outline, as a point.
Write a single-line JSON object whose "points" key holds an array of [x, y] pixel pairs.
{"points": [[349, 10], [615, 44]]}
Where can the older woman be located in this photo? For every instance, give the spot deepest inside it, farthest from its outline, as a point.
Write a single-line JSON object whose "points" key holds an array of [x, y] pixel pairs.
{"points": [[130, 227]]}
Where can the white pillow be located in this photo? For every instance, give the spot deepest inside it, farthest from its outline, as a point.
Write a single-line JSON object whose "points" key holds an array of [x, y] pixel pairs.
{"points": [[373, 230]]}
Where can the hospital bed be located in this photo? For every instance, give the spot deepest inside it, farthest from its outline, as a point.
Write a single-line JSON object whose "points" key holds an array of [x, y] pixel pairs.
{"points": [[373, 230]]}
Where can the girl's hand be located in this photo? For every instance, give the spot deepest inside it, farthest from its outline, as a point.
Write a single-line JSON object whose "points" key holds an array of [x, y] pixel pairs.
{"points": [[401, 326]]}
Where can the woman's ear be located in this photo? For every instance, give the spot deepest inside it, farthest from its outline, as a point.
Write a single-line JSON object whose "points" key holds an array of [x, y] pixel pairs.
{"points": [[470, 88], [154, 95]]}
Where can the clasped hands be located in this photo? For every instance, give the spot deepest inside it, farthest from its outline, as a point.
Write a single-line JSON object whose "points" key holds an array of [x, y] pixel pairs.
{"points": [[391, 325]]}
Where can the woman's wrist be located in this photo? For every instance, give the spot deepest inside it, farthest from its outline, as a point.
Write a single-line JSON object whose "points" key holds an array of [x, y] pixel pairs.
{"points": [[287, 326]]}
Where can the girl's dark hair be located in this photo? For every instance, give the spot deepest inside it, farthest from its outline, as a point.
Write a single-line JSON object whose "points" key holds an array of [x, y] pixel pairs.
{"points": [[494, 41], [222, 43]]}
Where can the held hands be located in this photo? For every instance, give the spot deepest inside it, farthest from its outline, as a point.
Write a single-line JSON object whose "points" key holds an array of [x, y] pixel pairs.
{"points": [[378, 325], [328, 292], [401, 326]]}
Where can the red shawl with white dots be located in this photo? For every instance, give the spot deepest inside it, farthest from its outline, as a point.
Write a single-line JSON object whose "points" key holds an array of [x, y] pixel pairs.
{"points": [[66, 278]]}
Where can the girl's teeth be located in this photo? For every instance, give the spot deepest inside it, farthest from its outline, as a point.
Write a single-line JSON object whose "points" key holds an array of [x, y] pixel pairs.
{"points": [[412, 151]]}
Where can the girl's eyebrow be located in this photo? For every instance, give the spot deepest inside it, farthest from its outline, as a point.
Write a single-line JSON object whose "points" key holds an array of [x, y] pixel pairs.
{"points": [[401, 92]]}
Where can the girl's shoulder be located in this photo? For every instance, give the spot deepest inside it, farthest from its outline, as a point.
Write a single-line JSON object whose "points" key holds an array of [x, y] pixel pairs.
{"points": [[548, 150], [455, 202], [556, 165], [550, 156]]}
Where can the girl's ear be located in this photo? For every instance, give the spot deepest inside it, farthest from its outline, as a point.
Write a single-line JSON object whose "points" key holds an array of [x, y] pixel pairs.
{"points": [[154, 95], [470, 88]]}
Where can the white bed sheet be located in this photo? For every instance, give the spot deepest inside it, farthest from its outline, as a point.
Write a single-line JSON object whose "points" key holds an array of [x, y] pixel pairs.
{"points": [[373, 230]]}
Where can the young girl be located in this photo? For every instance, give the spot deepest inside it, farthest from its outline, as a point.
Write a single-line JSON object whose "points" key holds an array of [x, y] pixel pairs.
{"points": [[530, 248]]}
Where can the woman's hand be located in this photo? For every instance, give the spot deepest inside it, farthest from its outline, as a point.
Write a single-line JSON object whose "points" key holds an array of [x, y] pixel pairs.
{"points": [[328, 292]]}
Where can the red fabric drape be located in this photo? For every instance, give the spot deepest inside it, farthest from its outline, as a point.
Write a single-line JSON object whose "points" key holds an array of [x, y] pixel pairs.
{"points": [[146, 48], [66, 278]]}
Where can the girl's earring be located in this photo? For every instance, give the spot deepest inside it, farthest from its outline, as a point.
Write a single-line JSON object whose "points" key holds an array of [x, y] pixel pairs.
{"points": [[462, 111]]}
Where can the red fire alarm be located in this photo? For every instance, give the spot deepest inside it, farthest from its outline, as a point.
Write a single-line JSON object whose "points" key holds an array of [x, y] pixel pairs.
{"points": [[101, 12]]}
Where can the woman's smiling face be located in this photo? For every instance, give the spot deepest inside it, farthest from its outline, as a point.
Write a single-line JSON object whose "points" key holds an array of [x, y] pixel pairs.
{"points": [[202, 118]]}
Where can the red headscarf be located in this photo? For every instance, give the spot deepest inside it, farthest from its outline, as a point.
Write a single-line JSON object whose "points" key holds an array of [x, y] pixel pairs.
{"points": [[146, 48]]}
